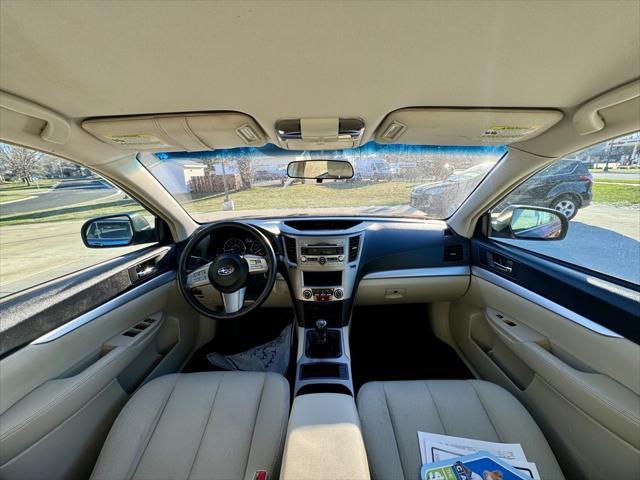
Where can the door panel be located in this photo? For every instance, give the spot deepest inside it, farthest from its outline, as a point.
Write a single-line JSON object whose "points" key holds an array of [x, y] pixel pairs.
{"points": [[61, 392], [41, 309], [539, 333]]}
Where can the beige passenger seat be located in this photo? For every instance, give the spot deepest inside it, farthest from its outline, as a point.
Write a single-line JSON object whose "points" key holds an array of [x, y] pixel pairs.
{"points": [[392, 413]]}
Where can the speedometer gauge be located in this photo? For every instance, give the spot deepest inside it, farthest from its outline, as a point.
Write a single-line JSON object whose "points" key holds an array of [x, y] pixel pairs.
{"points": [[234, 245], [256, 249]]}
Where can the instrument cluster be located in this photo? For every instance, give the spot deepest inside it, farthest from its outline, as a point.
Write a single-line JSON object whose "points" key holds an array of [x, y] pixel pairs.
{"points": [[239, 243]]}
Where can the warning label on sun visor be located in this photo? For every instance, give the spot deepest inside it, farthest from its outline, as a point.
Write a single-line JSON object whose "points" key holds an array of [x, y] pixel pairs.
{"points": [[137, 139], [509, 131]]}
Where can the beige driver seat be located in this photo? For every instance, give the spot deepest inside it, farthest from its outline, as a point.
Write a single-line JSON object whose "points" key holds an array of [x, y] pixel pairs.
{"points": [[199, 425]]}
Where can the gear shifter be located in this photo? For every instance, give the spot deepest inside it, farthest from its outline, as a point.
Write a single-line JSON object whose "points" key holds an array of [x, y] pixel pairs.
{"points": [[323, 342], [321, 331]]}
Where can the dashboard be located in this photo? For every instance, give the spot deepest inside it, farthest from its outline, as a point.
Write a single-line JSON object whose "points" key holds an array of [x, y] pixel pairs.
{"points": [[354, 260]]}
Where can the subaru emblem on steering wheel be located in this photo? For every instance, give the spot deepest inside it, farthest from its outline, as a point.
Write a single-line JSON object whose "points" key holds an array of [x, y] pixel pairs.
{"points": [[226, 270]]}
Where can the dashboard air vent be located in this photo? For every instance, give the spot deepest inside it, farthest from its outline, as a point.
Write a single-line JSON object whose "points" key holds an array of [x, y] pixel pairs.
{"points": [[290, 246], [447, 232], [354, 247], [453, 253], [335, 224]]}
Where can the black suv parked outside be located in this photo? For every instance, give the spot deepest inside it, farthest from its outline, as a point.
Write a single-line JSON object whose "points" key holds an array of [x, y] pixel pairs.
{"points": [[564, 186]]}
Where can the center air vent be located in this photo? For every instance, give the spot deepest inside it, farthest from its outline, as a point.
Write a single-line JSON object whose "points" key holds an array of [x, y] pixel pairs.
{"points": [[334, 224], [354, 247], [290, 246]]}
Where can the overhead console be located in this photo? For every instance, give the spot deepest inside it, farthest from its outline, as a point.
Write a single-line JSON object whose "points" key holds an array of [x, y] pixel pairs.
{"points": [[320, 133], [182, 132]]}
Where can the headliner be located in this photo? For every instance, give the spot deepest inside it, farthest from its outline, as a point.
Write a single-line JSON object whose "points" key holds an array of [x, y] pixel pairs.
{"points": [[276, 60]]}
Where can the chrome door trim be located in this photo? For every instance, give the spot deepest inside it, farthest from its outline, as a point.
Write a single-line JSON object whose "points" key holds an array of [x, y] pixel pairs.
{"points": [[105, 308], [420, 272], [542, 301]]}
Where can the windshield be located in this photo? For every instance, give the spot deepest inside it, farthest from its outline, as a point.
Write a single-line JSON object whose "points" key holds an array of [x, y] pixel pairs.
{"points": [[389, 180]]}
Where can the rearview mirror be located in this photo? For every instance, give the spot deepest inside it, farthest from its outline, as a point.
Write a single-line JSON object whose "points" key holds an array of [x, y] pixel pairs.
{"points": [[117, 231], [320, 170], [529, 223]]}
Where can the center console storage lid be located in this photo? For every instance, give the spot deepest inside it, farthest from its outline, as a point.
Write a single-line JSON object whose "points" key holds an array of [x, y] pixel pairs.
{"points": [[324, 440]]}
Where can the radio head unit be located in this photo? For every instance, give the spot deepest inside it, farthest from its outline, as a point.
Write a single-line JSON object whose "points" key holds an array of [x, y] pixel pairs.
{"points": [[320, 267], [322, 250]]}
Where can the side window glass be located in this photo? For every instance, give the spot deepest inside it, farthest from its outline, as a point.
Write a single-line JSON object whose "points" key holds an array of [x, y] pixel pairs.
{"points": [[598, 190], [44, 201]]}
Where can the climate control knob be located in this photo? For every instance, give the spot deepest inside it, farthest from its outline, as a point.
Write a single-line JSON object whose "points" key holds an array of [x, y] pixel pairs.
{"points": [[322, 260], [307, 294], [338, 293]]}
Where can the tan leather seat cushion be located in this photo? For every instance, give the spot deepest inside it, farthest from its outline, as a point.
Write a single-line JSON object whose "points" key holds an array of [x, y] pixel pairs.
{"points": [[392, 413], [214, 425]]}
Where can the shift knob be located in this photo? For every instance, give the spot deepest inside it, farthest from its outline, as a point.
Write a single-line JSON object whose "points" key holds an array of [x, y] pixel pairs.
{"points": [[321, 331], [321, 324]]}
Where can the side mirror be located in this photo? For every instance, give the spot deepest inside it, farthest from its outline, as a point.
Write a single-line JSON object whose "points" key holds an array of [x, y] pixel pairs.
{"points": [[117, 231], [529, 223], [320, 170]]}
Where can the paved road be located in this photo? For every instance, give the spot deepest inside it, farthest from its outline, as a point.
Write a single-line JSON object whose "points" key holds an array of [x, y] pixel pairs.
{"points": [[616, 176], [601, 237], [66, 193]]}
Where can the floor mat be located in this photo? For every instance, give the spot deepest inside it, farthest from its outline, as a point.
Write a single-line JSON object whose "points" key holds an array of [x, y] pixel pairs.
{"points": [[396, 343], [241, 334], [272, 356]]}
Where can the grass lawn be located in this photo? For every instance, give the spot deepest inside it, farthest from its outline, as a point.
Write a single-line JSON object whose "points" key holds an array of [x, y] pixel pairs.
{"points": [[258, 198], [311, 195], [11, 191], [296, 196], [616, 194], [79, 212]]}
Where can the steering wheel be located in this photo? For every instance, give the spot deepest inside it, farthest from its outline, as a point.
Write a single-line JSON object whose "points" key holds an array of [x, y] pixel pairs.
{"points": [[229, 273]]}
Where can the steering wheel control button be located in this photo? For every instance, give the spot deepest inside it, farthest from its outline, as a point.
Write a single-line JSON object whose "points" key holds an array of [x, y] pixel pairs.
{"points": [[307, 294], [198, 278], [338, 293]]}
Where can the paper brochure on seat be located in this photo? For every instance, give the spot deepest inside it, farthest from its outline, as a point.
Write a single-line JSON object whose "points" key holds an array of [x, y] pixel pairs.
{"points": [[435, 448]]}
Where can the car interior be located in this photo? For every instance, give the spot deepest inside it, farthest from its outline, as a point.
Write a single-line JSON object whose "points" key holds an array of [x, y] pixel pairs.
{"points": [[390, 323]]}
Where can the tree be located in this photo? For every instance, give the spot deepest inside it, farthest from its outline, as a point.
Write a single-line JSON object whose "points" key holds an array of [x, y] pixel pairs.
{"points": [[21, 162], [246, 167]]}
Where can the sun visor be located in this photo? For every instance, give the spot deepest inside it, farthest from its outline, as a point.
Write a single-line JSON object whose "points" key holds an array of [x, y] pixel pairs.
{"points": [[459, 126], [188, 132]]}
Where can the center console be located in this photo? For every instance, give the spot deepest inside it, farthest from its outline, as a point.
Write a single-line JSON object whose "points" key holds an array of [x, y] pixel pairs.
{"points": [[322, 272], [324, 440], [323, 269]]}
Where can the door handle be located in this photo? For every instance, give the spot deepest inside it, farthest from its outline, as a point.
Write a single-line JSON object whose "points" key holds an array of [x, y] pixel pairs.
{"points": [[502, 268]]}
